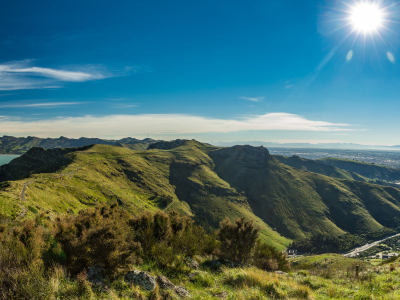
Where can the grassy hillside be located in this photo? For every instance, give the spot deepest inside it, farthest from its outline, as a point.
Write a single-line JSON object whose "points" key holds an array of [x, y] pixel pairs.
{"points": [[139, 180], [14, 145], [319, 167], [336, 261], [368, 170], [200, 180]]}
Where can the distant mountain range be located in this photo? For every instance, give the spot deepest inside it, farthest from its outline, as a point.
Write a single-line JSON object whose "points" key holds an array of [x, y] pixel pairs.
{"points": [[307, 145], [20, 145]]}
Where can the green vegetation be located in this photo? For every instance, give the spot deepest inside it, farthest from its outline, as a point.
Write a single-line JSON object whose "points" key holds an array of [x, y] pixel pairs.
{"points": [[167, 202], [319, 167], [111, 241], [45, 259], [339, 244], [368, 170], [201, 181], [335, 262]]}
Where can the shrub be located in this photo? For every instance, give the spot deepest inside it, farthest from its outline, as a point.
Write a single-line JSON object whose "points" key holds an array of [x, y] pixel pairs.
{"points": [[237, 239], [22, 273], [97, 237], [268, 258], [168, 238]]}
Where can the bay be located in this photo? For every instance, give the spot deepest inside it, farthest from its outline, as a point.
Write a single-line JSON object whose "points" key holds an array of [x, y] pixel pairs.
{"points": [[6, 158]]}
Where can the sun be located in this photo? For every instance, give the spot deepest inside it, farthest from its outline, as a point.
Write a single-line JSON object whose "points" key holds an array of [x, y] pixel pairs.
{"points": [[366, 17]]}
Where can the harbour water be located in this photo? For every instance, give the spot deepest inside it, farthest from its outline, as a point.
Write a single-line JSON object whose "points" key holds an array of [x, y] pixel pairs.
{"points": [[6, 158]]}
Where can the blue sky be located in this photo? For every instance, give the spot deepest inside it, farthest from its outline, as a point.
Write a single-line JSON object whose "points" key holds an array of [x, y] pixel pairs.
{"points": [[277, 71]]}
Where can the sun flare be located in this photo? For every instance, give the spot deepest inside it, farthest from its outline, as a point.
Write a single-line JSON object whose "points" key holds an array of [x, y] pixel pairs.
{"points": [[366, 17]]}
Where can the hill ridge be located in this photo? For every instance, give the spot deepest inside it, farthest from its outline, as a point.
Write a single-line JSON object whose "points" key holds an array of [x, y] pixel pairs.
{"points": [[209, 183]]}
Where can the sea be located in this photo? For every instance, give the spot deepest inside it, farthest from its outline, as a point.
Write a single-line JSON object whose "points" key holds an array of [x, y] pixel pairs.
{"points": [[6, 158]]}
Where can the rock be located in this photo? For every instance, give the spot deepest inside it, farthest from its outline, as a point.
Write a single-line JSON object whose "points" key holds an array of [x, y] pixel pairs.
{"points": [[221, 295], [95, 275], [232, 264], [143, 279], [280, 273], [182, 292], [165, 284], [215, 263], [192, 263]]}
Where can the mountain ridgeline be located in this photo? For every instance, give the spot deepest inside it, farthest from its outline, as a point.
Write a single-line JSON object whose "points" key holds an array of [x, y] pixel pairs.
{"points": [[14, 145], [206, 182]]}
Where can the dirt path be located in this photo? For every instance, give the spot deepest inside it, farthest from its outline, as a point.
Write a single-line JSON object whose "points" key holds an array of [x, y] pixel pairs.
{"points": [[169, 205]]}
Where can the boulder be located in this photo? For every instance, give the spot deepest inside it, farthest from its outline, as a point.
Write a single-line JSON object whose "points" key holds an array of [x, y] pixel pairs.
{"points": [[281, 273], [95, 275], [221, 295], [165, 284], [143, 279], [192, 263], [182, 292]]}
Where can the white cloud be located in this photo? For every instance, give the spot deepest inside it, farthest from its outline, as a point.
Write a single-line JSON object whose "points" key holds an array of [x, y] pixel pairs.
{"points": [[40, 105], [127, 125], [256, 99], [21, 75]]}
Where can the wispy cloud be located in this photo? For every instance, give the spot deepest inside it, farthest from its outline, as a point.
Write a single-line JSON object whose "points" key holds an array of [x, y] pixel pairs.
{"points": [[256, 99], [22, 75], [126, 125], [39, 105]]}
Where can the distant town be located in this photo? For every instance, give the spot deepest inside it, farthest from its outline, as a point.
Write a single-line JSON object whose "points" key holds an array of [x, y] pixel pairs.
{"points": [[380, 157]]}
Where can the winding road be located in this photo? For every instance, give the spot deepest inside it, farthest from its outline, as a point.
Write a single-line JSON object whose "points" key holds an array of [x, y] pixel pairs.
{"points": [[367, 246]]}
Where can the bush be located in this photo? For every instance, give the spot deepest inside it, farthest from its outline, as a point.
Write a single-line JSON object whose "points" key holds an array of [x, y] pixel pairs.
{"points": [[237, 239], [168, 238], [269, 258], [99, 237], [22, 273]]}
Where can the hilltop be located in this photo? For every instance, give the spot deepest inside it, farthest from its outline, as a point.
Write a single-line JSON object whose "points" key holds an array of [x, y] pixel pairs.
{"points": [[20, 145], [200, 180]]}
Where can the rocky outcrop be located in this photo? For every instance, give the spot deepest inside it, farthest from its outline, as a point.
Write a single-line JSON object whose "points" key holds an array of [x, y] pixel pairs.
{"points": [[246, 156], [192, 263], [95, 275], [165, 284], [141, 278]]}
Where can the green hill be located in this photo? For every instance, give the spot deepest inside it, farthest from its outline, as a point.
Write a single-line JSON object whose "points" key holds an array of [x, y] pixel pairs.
{"points": [[319, 167], [200, 180], [372, 171]]}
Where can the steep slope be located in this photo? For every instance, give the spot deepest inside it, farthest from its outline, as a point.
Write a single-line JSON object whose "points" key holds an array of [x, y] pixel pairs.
{"points": [[14, 145], [299, 203], [368, 170], [204, 181], [179, 178], [318, 167]]}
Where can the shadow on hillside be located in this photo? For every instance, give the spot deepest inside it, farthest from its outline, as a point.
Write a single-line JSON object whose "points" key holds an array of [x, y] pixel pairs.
{"points": [[38, 160]]}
